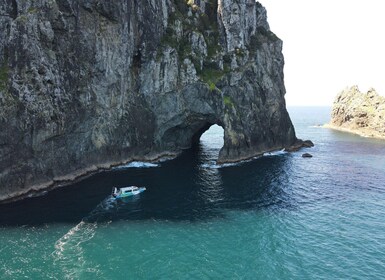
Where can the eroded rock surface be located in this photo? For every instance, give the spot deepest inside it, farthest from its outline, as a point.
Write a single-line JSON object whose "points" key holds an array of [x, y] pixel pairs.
{"points": [[90, 83], [360, 113]]}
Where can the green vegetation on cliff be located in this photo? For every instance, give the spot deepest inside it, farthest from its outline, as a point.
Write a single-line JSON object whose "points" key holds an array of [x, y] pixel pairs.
{"points": [[227, 101], [94, 85], [3, 77], [182, 23]]}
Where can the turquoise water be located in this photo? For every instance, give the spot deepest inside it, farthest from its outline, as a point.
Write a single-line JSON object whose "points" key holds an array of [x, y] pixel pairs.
{"points": [[276, 217]]}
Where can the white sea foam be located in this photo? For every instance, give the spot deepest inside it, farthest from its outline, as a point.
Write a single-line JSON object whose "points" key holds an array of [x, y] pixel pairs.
{"points": [[108, 205], [214, 165], [163, 159], [275, 153], [137, 164], [69, 251]]}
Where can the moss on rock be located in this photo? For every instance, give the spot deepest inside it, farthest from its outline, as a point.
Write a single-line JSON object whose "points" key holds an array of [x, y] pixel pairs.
{"points": [[3, 77]]}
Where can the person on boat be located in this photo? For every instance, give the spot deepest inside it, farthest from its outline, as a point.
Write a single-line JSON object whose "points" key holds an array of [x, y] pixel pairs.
{"points": [[114, 192]]}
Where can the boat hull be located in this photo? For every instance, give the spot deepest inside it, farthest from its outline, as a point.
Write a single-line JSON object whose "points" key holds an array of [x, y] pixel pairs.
{"points": [[130, 194]]}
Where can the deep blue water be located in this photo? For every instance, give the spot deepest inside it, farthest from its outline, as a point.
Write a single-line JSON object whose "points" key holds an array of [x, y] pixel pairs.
{"points": [[276, 217]]}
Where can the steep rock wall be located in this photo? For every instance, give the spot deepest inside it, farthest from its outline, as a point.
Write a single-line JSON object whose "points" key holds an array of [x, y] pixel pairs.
{"points": [[90, 83]]}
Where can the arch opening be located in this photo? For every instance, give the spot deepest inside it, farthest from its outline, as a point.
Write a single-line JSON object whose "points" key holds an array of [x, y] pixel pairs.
{"points": [[208, 135], [211, 135]]}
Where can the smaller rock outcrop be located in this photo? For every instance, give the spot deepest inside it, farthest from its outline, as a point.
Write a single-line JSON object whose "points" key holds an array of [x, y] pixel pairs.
{"points": [[306, 155], [359, 113], [299, 144]]}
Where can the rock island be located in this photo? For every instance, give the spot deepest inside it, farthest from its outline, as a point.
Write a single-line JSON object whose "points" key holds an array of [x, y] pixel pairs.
{"points": [[359, 113]]}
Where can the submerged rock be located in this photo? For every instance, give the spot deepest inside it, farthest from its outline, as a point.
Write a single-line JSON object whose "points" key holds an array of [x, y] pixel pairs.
{"points": [[306, 155], [360, 113], [85, 85]]}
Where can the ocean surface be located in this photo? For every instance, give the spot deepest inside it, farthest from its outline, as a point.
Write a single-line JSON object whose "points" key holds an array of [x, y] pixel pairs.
{"points": [[279, 216]]}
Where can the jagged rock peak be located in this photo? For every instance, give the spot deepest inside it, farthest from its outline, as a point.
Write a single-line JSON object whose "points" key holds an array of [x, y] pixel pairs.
{"points": [[240, 21], [360, 113]]}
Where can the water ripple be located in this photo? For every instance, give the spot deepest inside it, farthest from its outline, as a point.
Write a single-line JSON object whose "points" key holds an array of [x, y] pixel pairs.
{"points": [[275, 217]]}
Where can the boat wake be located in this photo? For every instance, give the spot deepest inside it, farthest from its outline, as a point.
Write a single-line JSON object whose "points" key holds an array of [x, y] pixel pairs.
{"points": [[69, 249], [214, 165]]}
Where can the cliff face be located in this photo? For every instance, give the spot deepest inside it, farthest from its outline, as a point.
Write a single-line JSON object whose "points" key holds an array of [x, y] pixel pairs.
{"points": [[360, 113], [89, 83]]}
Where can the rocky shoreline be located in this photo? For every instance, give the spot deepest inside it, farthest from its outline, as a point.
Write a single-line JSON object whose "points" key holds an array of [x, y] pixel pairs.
{"points": [[79, 175], [41, 189], [361, 132], [87, 82], [359, 113]]}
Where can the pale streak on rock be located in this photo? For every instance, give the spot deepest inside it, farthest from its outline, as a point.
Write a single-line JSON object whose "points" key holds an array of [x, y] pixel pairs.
{"points": [[87, 84]]}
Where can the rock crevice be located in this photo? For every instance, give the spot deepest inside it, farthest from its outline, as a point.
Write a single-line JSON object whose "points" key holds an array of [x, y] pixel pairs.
{"points": [[88, 84]]}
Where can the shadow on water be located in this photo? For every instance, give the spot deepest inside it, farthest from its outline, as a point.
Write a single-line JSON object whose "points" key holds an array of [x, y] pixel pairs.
{"points": [[187, 188]]}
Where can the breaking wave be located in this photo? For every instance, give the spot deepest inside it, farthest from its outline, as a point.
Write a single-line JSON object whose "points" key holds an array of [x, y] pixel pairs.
{"points": [[136, 164], [214, 165], [275, 153]]}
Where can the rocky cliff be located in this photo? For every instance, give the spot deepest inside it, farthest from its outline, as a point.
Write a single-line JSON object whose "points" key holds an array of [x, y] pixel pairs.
{"points": [[360, 113], [87, 84]]}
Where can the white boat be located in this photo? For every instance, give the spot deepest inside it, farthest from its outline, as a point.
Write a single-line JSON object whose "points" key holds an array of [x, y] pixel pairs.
{"points": [[127, 191]]}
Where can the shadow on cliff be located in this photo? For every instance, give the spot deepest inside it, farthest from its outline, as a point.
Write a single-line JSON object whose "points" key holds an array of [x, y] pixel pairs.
{"points": [[190, 187]]}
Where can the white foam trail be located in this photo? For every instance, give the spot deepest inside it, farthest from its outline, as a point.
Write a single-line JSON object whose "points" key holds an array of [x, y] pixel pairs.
{"points": [[137, 164], [108, 205], [69, 252], [214, 165]]}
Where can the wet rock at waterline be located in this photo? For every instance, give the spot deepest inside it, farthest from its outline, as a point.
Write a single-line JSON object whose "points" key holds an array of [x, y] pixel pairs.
{"points": [[306, 155], [85, 85]]}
